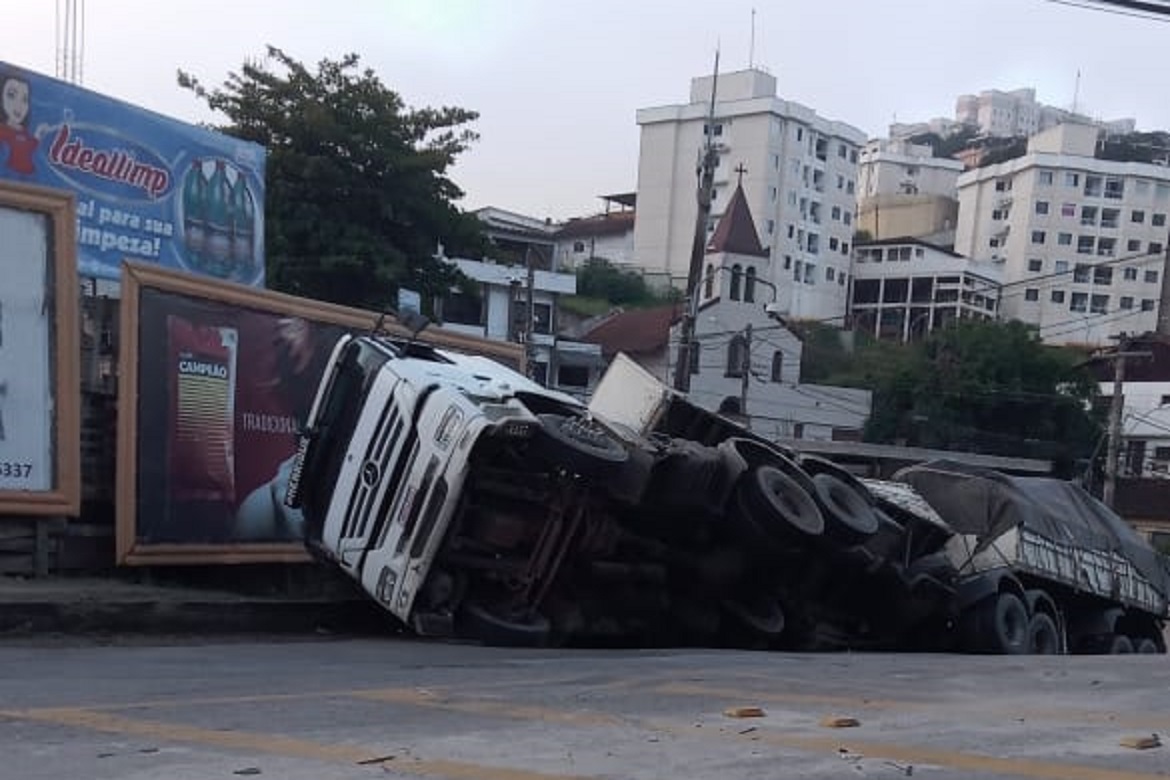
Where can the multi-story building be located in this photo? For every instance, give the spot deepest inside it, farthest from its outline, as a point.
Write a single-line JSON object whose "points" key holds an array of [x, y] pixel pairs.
{"points": [[798, 171], [903, 288], [903, 190], [607, 236], [1082, 240], [1018, 114]]}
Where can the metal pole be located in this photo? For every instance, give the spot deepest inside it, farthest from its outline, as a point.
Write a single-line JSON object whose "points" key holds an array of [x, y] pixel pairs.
{"points": [[1114, 426], [746, 368], [529, 353], [1163, 323]]}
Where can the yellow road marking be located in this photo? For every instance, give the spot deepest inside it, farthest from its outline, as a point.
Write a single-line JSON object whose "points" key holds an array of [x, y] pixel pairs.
{"points": [[274, 744], [424, 698]]}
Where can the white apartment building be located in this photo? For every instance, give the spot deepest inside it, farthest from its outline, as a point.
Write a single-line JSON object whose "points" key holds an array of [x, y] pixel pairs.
{"points": [[798, 172], [1017, 113], [905, 288], [903, 190], [1082, 240]]}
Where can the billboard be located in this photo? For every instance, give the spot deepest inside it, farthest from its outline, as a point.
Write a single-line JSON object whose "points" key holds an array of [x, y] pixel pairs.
{"points": [[217, 380], [148, 188], [39, 436]]}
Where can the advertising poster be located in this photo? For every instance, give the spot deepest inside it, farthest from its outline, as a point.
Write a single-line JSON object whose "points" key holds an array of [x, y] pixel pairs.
{"points": [[222, 391], [219, 379], [148, 188], [26, 390]]}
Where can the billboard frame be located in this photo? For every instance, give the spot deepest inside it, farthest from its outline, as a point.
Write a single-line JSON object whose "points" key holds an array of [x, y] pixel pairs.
{"points": [[139, 276], [59, 207]]}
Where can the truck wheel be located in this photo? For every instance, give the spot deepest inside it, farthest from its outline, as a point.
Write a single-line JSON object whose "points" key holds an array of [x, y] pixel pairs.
{"points": [[761, 614], [778, 497], [853, 517], [579, 444], [488, 625], [1146, 646], [1120, 645], [1043, 638], [1001, 625]]}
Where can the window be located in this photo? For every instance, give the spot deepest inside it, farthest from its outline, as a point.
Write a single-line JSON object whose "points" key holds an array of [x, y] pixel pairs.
{"points": [[787, 262], [777, 366], [1031, 294], [1155, 248], [993, 242], [578, 247], [1068, 209], [573, 376], [1060, 266], [1114, 188], [1085, 245], [849, 187], [800, 134], [1038, 236], [736, 282], [1126, 302], [1079, 302], [1035, 265], [1158, 220], [1072, 180], [999, 214], [830, 275], [1152, 277], [1106, 246], [847, 218], [1046, 178], [1003, 185], [833, 244], [797, 271], [737, 356], [1081, 273], [1137, 216], [791, 230], [814, 244], [1133, 245], [771, 226], [749, 285], [1088, 215], [1057, 296], [1147, 304], [853, 155], [1064, 239], [841, 278], [1131, 274], [835, 214], [808, 273], [709, 281], [1042, 207], [840, 182], [842, 152], [844, 247], [1103, 275], [1099, 304], [1094, 186], [1110, 217], [715, 130]]}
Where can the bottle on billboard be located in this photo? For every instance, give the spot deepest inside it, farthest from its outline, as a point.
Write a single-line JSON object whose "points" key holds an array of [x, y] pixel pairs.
{"points": [[219, 221], [243, 225], [195, 210]]}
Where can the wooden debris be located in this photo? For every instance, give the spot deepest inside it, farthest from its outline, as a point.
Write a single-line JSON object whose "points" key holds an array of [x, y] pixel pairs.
{"points": [[744, 712], [839, 722], [1144, 742]]}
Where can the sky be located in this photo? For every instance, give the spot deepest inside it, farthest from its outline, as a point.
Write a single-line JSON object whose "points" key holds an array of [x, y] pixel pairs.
{"points": [[557, 83]]}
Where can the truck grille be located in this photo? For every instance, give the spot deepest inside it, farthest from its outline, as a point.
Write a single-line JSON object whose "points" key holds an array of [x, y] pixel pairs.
{"points": [[376, 465]]}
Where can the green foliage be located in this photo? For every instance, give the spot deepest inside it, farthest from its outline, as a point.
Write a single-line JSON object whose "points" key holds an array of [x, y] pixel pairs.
{"points": [[950, 145], [986, 387], [599, 278], [357, 192], [585, 306], [977, 386], [1136, 147]]}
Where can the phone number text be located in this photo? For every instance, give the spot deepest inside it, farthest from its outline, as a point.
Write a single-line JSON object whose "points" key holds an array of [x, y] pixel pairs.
{"points": [[9, 468]]}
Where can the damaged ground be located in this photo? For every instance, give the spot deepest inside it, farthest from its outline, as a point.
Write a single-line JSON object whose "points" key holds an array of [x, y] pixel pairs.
{"points": [[344, 708]]}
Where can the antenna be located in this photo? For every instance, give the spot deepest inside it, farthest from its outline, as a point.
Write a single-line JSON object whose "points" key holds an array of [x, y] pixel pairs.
{"points": [[1076, 91], [70, 39], [752, 46]]}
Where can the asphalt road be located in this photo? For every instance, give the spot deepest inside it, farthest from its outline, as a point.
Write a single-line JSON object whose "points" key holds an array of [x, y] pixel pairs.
{"points": [[375, 708]]}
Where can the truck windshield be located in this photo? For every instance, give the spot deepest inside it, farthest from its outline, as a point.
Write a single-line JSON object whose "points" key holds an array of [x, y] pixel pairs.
{"points": [[353, 377]]}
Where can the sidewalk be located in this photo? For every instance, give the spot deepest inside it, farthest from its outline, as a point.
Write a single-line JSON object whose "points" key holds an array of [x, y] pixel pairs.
{"points": [[107, 605]]}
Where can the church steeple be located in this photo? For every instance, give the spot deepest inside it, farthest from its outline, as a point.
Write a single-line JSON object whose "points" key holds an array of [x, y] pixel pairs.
{"points": [[736, 231]]}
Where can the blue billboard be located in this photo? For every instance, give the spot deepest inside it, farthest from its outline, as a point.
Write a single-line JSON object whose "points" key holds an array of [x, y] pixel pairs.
{"points": [[149, 188]]}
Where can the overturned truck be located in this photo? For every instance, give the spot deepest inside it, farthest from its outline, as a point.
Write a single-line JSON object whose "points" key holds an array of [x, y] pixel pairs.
{"points": [[470, 502]]}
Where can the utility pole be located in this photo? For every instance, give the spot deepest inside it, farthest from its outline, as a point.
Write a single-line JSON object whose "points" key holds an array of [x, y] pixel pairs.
{"points": [[745, 368], [706, 176], [529, 363], [1163, 325], [1116, 407]]}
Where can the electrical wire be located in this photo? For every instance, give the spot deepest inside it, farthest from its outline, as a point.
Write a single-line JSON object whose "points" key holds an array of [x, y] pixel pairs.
{"points": [[1117, 7]]}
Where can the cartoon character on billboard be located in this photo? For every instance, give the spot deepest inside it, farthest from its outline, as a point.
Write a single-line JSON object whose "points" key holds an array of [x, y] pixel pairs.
{"points": [[14, 132]]}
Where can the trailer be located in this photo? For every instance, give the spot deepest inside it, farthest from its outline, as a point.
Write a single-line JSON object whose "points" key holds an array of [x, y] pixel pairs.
{"points": [[470, 502]]}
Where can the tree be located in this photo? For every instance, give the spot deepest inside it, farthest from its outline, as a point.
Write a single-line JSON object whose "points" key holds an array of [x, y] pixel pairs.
{"points": [[986, 387], [358, 197], [599, 278]]}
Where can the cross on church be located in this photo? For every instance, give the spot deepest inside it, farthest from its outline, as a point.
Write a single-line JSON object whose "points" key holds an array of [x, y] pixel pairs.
{"points": [[741, 170]]}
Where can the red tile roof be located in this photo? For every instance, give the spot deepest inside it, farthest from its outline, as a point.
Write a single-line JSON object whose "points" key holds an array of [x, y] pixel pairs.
{"points": [[638, 331], [736, 231]]}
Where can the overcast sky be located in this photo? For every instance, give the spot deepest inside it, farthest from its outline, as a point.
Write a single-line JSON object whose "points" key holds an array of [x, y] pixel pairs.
{"points": [[557, 82]]}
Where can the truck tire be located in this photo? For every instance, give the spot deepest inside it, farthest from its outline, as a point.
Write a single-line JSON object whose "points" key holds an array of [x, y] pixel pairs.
{"points": [[486, 624], [998, 624], [782, 504], [853, 517], [579, 444], [1145, 646], [1120, 644], [760, 614], [1043, 636]]}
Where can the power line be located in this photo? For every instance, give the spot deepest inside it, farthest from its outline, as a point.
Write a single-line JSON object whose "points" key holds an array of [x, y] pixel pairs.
{"points": [[1161, 14]]}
